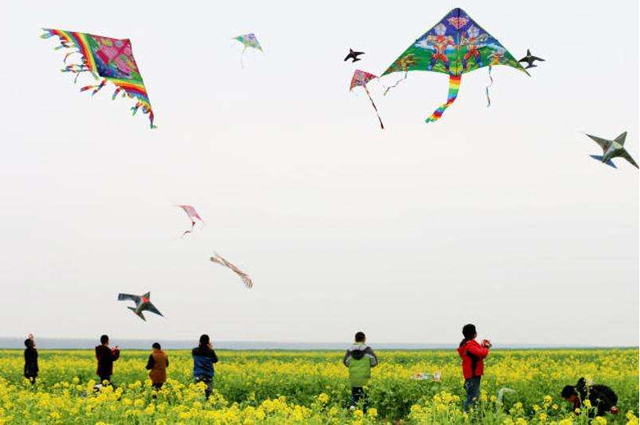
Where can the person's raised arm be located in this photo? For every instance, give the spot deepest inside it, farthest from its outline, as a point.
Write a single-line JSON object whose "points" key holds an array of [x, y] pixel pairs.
{"points": [[478, 351]]}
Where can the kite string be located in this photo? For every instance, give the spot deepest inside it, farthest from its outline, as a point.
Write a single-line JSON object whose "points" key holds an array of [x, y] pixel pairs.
{"points": [[406, 73], [241, 56], [488, 86], [374, 105]]}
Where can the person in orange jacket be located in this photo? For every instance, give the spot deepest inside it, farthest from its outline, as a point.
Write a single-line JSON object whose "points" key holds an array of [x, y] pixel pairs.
{"points": [[157, 366], [472, 354]]}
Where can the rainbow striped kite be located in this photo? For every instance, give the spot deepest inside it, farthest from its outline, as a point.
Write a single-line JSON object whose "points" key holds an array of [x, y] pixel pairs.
{"points": [[456, 45], [108, 58]]}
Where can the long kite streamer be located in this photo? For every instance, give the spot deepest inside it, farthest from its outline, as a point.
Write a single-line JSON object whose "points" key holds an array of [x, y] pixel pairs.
{"points": [[245, 277], [454, 86], [360, 79], [108, 58]]}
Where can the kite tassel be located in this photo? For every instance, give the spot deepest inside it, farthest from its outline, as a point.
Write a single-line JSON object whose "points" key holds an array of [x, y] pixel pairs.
{"points": [[96, 88], [454, 86], [488, 86], [386, 90], [115, 93], [134, 109]]}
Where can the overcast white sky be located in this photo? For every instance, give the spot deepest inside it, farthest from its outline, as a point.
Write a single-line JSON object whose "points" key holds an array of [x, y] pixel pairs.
{"points": [[495, 216]]}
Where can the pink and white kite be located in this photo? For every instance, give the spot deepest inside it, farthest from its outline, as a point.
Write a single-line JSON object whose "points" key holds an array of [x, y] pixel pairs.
{"points": [[361, 79], [193, 216], [245, 277]]}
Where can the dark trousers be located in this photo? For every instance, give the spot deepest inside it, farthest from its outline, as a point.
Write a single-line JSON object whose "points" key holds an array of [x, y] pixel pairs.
{"points": [[105, 378], [31, 378], [472, 386], [358, 395], [208, 380], [157, 386]]}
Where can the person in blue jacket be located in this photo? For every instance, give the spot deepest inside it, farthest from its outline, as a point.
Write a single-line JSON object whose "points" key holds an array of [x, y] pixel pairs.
{"points": [[203, 359]]}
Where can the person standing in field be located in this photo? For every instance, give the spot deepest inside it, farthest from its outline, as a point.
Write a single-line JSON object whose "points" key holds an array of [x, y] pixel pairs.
{"points": [[360, 358], [601, 398], [203, 359], [106, 356], [157, 366], [30, 359], [472, 355]]}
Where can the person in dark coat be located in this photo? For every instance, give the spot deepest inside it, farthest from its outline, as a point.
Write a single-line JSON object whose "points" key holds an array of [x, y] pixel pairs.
{"points": [[203, 359], [157, 366], [106, 356], [602, 398], [30, 359]]}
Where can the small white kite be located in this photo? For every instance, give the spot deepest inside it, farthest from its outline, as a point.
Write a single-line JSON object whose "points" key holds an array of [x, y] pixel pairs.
{"points": [[245, 277], [193, 216], [435, 377]]}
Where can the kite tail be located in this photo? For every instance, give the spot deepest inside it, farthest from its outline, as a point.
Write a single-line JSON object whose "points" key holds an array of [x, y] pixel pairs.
{"points": [[374, 106], [454, 86], [241, 56], [487, 88], [406, 73]]}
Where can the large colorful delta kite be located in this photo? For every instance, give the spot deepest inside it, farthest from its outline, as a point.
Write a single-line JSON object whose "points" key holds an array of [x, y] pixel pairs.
{"points": [[108, 58], [360, 79], [456, 45], [248, 40]]}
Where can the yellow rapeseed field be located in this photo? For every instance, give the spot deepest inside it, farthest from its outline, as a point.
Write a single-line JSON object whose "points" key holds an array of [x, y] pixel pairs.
{"points": [[277, 387]]}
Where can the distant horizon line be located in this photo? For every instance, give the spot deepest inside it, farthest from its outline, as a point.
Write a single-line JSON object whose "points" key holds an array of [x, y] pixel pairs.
{"points": [[12, 342]]}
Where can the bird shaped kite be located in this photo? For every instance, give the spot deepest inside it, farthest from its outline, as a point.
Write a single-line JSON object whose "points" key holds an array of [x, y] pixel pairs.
{"points": [[193, 216], [360, 79], [143, 303], [245, 277], [456, 45], [353, 55], [612, 149], [248, 40], [530, 59], [108, 60]]}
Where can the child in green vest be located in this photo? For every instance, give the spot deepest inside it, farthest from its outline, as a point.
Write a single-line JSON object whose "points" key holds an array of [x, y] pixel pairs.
{"points": [[360, 358]]}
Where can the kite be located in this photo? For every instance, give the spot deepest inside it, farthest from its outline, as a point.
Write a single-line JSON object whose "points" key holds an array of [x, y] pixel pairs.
{"points": [[248, 40], [530, 59], [456, 45], [353, 56], [193, 216], [435, 377], [612, 149], [245, 277], [143, 303], [108, 58], [361, 78], [503, 391]]}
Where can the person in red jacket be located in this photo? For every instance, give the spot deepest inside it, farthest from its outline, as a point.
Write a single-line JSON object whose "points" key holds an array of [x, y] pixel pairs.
{"points": [[472, 355]]}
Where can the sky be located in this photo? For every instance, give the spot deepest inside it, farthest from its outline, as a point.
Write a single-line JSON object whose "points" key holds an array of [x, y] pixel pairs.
{"points": [[495, 216]]}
